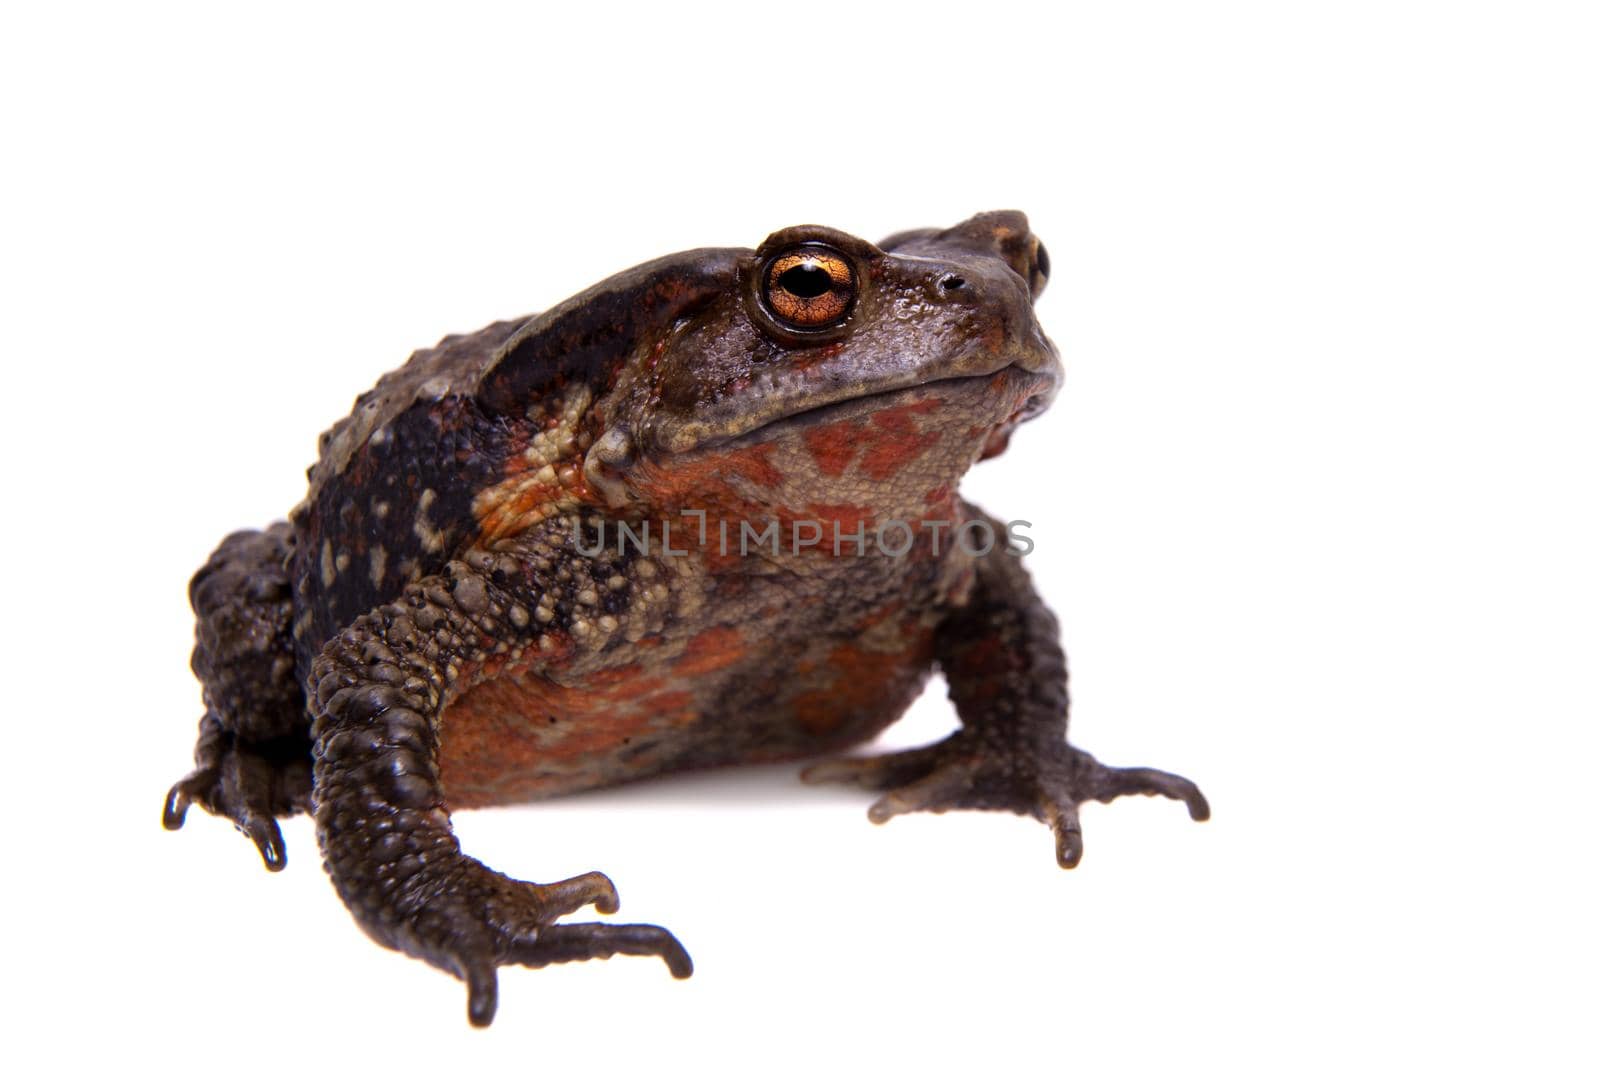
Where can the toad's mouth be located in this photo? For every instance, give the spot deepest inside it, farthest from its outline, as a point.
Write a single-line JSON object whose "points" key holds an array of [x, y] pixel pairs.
{"points": [[1011, 394], [1019, 395], [990, 401]]}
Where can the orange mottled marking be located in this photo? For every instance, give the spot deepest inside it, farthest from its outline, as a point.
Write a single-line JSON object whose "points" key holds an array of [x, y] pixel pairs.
{"points": [[622, 683], [861, 684], [673, 702], [516, 736], [711, 482], [896, 442], [896, 445], [849, 518], [518, 502], [833, 446], [710, 650], [836, 529], [611, 677], [754, 464]]}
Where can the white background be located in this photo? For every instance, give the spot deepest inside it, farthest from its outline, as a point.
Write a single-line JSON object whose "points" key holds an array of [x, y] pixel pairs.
{"points": [[1317, 508]]}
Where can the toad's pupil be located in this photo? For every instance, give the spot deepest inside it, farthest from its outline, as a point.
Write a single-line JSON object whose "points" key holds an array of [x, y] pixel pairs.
{"points": [[807, 281]]}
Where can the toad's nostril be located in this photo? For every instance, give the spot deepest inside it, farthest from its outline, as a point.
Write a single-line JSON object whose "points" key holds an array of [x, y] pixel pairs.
{"points": [[951, 282]]}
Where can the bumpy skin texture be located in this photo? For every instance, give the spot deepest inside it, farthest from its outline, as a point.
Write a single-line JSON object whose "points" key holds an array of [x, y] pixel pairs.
{"points": [[453, 616], [254, 754]]}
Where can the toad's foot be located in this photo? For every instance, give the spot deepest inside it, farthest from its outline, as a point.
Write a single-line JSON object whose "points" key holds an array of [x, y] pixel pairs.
{"points": [[968, 771], [470, 920], [249, 782]]}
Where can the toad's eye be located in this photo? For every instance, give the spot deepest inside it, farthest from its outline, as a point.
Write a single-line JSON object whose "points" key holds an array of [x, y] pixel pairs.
{"points": [[810, 288]]}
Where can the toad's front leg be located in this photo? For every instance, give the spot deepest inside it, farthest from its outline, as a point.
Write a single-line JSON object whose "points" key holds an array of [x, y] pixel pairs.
{"points": [[1002, 657], [377, 693]]}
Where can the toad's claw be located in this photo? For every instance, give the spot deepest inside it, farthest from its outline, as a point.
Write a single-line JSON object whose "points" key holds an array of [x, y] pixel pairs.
{"points": [[248, 783], [471, 921], [1059, 808], [570, 894], [565, 943], [263, 830], [939, 790], [1063, 820], [562, 943], [260, 827], [598, 941], [181, 795], [1108, 783], [966, 772]]}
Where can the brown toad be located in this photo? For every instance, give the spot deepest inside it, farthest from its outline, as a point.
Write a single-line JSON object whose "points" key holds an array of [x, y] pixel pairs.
{"points": [[702, 513]]}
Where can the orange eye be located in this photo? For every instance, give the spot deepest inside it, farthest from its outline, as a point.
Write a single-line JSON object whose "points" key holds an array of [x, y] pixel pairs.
{"points": [[810, 287]]}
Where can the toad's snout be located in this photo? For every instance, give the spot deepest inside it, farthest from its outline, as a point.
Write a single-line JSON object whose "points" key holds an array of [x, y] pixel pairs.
{"points": [[1000, 234]]}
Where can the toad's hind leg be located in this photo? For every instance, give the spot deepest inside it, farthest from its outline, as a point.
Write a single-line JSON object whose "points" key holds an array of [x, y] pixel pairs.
{"points": [[253, 758]]}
